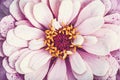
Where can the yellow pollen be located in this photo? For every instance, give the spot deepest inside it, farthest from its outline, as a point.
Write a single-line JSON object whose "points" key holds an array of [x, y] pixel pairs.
{"points": [[69, 31]]}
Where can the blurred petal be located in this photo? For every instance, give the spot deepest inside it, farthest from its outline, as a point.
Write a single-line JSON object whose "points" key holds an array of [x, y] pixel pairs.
{"points": [[6, 24], [7, 3], [15, 76], [114, 66], [113, 18], [114, 5]]}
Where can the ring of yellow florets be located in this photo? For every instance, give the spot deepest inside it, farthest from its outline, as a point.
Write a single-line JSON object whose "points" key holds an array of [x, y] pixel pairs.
{"points": [[67, 31]]}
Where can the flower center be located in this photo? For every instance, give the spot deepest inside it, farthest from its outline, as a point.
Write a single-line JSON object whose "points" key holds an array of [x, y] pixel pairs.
{"points": [[62, 42], [58, 42]]}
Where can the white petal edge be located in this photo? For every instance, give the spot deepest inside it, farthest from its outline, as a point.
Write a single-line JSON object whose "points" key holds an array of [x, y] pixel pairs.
{"points": [[65, 11]]}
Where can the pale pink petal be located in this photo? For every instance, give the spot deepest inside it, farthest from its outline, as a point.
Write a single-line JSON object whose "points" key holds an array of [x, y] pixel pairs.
{"points": [[105, 78], [36, 44], [118, 6], [100, 48], [108, 37], [116, 29], [95, 8], [28, 11], [106, 41], [65, 11], [56, 24], [90, 40], [88, 75], [24, 64], [23, 22], [77, 64], [24, 52], [27, 33], [70, 75], [107, 4], [45, 1], [114, 66], [6, 24], [76, 9], [113, 27], [114, 4], [13, 40], [8, 49], [39, 58], [113, 69], [66, 78], [42, 14], [78, 40], [7, 3], [38, 74], [13, 58], [6, 66], [90, 25], [99, 65], [57, 71], [15, 10], [14, 76], [113, 18], [54, 4], [1, 50], [22, 3]]}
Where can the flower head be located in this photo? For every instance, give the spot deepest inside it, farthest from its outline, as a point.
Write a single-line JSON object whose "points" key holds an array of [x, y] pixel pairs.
{"points": [[65, 37]]}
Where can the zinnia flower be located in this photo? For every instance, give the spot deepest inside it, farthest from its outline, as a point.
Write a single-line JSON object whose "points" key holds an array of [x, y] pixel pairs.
{"points": [[59, 40]]}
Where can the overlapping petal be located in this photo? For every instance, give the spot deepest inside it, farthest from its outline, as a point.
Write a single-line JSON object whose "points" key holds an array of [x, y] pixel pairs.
{"points": [[25, 48], [42, 14]]}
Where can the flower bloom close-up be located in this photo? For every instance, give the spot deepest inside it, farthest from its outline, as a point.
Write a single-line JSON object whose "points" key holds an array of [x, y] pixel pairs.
{"points": [[60, 40]]}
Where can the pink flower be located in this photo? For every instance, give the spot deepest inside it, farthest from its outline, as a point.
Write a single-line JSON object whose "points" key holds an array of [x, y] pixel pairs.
{"points": [[59, 40]]}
